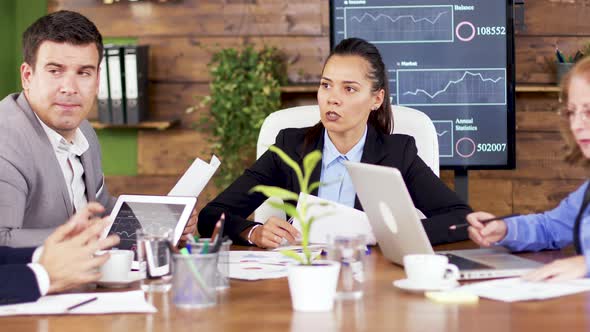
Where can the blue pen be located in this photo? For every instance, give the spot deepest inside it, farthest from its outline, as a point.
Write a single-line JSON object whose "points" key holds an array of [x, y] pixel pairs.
{"points": [[189, 248]]}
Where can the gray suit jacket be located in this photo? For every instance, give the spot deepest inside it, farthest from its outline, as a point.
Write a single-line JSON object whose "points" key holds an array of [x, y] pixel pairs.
{"points": [[34, 199]]}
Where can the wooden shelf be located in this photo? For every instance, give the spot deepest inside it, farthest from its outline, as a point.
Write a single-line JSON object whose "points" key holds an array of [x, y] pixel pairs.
{"points": [[546, 88], [157, 125], [300, 88], [520, 88]]}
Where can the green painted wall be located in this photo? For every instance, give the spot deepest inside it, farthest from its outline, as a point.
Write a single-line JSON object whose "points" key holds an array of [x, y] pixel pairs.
{"points": [[15, 17], [119, 151], [8, 39], [25, 12]]}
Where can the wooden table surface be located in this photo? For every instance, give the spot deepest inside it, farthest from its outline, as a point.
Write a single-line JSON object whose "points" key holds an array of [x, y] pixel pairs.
{"points": [[265, 306]]}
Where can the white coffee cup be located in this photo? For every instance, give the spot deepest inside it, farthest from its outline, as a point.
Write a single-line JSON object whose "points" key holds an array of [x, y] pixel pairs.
{"points": [[430, 269], [118, 266]]}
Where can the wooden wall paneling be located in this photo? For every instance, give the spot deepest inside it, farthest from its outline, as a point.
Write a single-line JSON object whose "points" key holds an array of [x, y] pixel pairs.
{"points": [[171, 100], [544, 121], [539, 156], [536, 196], [200, 17], [186, 59], [493, 195], [140, 185], [536, 102], [557, 17], [272, 17], [535, 56], [154, 185], [305, 55], [170, 152], [325, 11], [485, 194]]}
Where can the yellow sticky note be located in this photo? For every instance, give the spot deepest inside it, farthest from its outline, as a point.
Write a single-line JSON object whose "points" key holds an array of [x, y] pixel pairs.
{"points": [[452, 297]]}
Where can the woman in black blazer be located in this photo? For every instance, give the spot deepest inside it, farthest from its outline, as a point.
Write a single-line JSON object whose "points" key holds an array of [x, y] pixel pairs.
{"points": [[354, 105]]}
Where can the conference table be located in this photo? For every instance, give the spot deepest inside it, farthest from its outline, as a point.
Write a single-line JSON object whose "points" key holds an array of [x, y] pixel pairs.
{"points": [[266, 306]]}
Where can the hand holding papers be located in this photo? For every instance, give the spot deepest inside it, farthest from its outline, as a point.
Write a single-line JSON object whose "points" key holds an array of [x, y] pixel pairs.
{"points": [[195, 178], [335, 218]]}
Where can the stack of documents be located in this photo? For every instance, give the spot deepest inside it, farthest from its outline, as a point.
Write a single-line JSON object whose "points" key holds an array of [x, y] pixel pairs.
{"points": [[105, 303], [256, 265], [195, 178], [516, 289]]}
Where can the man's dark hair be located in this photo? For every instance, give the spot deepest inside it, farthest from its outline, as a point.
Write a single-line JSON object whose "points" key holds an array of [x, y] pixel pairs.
{"points": [[61, 27]]}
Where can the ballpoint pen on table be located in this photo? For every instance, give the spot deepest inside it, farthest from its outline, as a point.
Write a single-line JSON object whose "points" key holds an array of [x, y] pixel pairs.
{"points": [[458, 226], [81, 303]]}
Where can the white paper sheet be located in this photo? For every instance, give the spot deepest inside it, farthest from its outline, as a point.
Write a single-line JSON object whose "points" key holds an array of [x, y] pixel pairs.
{"points": [[335, 219], [257, 265], [107, 303], [195, 178], [516, 289]]}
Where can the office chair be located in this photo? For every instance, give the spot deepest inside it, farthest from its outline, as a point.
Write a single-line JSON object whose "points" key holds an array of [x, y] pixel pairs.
{"points": [[406, 121]]}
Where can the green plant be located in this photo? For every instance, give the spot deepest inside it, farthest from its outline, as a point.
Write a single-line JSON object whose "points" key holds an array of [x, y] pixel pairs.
{"points": [[310, 162], [244, 89]]}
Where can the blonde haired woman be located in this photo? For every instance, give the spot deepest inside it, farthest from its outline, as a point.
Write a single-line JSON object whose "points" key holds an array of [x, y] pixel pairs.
{"points": [[570, 221]]}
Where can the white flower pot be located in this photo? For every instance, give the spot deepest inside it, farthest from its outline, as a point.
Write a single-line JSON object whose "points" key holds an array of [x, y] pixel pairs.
{"points": [[313, 287]]}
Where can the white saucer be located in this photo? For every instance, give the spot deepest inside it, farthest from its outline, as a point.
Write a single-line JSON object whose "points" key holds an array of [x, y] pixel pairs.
{"points": [[411, 286], [131, 278]]}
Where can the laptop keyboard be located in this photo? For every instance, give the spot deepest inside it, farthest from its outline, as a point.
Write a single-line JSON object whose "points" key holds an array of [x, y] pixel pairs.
{"points": [[464, 263]]}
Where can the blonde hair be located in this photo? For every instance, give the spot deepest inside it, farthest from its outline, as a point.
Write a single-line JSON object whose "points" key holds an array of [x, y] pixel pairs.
{"points": [[582, 70]]}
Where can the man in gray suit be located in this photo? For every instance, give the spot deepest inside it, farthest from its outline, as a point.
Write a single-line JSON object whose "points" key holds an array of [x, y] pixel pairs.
{"points": [[50, 161]]}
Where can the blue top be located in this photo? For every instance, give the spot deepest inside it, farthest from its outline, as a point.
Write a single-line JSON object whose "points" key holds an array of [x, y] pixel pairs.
{"points": [[336, 182], [552, 229]]}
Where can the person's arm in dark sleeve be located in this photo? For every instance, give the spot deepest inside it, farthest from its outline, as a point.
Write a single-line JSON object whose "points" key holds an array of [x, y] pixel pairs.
{"points": [[440, 205], [18, 282], [237, 202]]}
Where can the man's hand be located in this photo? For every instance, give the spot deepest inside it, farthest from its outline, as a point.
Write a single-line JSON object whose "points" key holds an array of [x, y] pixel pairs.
{"points": [[272, 233], [84, 218], [68, 257], [560, 270]]}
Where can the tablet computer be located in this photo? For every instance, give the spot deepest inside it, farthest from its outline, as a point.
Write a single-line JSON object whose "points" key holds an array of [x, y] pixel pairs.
{"points": [[132, 212]]}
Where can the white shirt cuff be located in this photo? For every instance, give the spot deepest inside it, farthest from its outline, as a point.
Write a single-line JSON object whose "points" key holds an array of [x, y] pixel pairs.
{"points": [[37, 254], [42, 277]]}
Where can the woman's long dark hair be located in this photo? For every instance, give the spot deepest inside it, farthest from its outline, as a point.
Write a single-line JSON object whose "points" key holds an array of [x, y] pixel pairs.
{"points": [[381, 118]]}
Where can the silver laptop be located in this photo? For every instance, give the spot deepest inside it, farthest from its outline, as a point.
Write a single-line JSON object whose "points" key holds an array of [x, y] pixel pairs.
{"points": [[399, 231]]}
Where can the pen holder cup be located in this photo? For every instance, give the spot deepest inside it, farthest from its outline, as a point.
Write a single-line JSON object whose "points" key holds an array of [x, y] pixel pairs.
{"points": [[562, 69], [222, 264], [194, 280]]}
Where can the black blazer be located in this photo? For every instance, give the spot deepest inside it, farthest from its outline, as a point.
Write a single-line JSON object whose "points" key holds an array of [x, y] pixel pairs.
{"points": [[17, 281], [441, 206]]}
